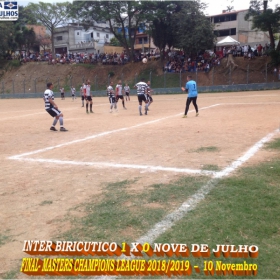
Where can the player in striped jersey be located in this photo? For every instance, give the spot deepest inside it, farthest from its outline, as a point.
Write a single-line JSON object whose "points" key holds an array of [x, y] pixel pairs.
{"points": [[88, 98], [127, 91], [149, 94], [142, 88], [52, 108], [119, 93], [112, 98]]}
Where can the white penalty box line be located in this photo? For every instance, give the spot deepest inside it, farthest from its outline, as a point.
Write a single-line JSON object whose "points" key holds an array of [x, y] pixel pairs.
{"points": [[26, 156]]}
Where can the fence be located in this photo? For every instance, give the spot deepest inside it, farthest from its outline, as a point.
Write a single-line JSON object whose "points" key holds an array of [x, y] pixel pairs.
{"points": [[164, 81]]}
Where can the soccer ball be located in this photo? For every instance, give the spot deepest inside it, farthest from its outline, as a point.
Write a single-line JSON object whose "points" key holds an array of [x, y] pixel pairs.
{"points": [[144, 60]]}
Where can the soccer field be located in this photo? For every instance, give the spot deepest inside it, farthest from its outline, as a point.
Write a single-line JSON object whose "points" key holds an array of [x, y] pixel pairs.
{"points": [[47, 175]]}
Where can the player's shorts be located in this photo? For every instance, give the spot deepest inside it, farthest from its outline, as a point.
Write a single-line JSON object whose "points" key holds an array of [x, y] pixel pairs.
{"points": [[82, 97], [119, 97], [54, 112], [73, 94], [62, 94], [127, 93], [150, 98], [142, 97], [88, 98], [112, 99]]}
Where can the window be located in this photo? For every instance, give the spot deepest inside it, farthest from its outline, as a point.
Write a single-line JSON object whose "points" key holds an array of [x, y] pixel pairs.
{"points": [[97, 34], [224, 18], [225, 32], [78, 33], [107, 36], [58, 38]]}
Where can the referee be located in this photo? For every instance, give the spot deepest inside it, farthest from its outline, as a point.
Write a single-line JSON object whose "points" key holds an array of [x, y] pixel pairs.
{"points": [[192, 95]]}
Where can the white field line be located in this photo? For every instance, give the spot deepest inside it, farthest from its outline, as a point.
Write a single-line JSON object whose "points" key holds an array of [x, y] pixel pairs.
{"points": [[196, 198], [148, 168], [99, 135]]}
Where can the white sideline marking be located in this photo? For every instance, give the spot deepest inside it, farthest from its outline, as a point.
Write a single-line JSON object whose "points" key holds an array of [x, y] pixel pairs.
{"points": [[99, 135], [119, 165], [191, 203]]}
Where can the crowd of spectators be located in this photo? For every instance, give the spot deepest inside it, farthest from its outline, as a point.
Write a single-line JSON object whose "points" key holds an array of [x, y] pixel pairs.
{"points": [[245, 51], [179, 62]]}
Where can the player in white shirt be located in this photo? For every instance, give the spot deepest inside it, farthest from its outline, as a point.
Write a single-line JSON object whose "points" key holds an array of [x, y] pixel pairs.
{"points": [[119, 93], [127, 92], [73, 92], [112, 97]]}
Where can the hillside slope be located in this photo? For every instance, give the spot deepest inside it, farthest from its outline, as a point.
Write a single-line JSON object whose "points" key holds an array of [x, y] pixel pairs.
{"points": [[32, 76]]}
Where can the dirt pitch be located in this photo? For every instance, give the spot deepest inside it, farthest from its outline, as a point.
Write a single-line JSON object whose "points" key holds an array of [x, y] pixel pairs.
{"points": [[38, 165]]}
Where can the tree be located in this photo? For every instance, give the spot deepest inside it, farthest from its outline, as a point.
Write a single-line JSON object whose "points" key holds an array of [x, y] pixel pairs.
{"points": [[124, 18], [50, 15], [161, 29], [7, 43], [192, 29], [265, 20], [44, 41]]}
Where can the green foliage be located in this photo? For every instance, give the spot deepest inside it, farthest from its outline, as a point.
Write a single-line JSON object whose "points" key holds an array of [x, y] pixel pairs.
{"points": [[7, 43], [115, 42], [275, 57], [264, 19], [50, 15], [192, 30]]}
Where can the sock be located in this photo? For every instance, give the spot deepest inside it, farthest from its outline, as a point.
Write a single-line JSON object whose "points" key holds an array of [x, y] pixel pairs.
{"points": [[83, 103], [140, 109], [149, 104], [87, 107], [90, 105], [115, 106], [54, 122], [123, 103], [111, 107], [61, 121], [146, 107]]}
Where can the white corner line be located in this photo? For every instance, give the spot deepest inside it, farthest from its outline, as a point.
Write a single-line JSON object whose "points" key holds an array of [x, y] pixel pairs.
{"points": [[16, 157], [168, 221], [149, 168]]}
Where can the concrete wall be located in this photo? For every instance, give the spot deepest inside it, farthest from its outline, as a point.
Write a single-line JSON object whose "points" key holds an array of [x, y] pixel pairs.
{"points": [[205, 89]]}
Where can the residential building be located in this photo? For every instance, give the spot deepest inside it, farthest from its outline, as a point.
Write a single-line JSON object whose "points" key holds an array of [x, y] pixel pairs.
{"points": [[74, 38], [234, 24]]}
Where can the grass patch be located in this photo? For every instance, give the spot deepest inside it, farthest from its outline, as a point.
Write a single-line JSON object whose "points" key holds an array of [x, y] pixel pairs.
{"points": [[212, 167], [206, 149], [46, 202], [10, 274], [243, 209], [123, 215], [3, 239], [275, 144]]}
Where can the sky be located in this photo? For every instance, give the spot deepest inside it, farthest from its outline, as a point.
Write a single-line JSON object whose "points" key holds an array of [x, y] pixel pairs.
{"points": [[214, 6]]}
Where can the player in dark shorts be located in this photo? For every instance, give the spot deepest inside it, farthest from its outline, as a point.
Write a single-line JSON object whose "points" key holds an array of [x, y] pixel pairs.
{"points": [[142, 95], [149, 94], [62, 93], [119, 93], [112, 97], [52, 108], [127, 92], [88, 98]]}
